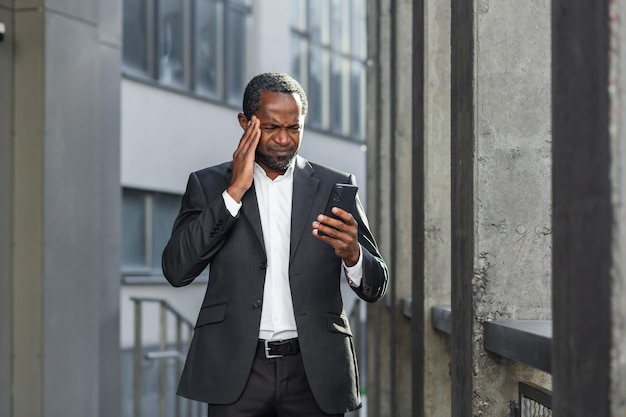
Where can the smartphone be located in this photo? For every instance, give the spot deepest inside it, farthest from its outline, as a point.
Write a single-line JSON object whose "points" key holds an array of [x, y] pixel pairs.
{"points": [[342, 196]]}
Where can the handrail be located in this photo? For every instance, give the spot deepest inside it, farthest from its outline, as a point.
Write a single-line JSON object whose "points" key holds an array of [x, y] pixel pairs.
{"points": [[166, 305], [161, 355]]}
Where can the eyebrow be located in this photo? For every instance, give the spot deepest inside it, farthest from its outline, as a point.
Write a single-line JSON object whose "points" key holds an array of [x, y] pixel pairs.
{"points": [[272, 124]]}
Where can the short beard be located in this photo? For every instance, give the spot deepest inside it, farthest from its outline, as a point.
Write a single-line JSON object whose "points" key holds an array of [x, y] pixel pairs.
{"points": [[276, 164]]}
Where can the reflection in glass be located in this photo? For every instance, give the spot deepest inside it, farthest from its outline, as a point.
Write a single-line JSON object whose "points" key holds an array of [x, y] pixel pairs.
{"points": [[318, 21], [299, 47], [133, 229], [338, 92], [359, 29], [135, 36], [318, 65], [298, 14], [165, 209], [357, 100], [236, 53], [171, 42], [208, 50]]}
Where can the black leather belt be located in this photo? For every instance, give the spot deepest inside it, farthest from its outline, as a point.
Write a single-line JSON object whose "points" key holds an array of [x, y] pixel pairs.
{"points": [[278, 349]]}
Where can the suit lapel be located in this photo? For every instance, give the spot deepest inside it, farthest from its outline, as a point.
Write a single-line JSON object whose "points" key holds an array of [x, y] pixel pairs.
{"points": [[304, 189], [250, 210]]}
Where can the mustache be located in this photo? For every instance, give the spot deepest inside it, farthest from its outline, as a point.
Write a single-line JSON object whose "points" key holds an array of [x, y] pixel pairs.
{"points": [[279, 163]]}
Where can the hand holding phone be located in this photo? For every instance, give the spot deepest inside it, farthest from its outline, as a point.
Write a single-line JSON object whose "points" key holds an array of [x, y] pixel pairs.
{"points": [[342, 196]]}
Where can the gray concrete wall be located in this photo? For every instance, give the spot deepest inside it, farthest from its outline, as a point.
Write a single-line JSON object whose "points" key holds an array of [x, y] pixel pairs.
{"points": [[401, 219], [380, 375], [618, 178], [436, 200], [6, 179], [501, 197], [65, 198], [390, 146]]}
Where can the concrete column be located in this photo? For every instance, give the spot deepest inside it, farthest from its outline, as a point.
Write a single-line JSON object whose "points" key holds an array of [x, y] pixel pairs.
{"points": [[589, 287], [379, 378], [6, 180], [435, 106], [501, 208], [617, 298], [64, 214], [401, 220], [391, 138]]}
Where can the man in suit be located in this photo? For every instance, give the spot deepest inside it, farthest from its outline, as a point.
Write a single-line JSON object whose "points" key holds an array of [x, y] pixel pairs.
{"points": [[272, 337]]}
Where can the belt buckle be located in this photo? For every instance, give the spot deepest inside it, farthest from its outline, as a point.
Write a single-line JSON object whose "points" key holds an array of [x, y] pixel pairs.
{"points": [[267, 351]]}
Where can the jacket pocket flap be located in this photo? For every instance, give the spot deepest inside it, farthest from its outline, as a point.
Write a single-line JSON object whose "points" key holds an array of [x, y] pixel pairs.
{"points": [[211, 314], [338, 324]]}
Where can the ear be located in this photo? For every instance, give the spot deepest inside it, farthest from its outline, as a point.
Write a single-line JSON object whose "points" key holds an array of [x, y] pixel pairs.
{"points": [[243, 121]]}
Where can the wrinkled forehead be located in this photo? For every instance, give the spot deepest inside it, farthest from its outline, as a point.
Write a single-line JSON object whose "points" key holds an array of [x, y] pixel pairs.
{"points": [[286, 107]]}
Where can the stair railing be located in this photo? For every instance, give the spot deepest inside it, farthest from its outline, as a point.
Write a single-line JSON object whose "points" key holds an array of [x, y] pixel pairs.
{"points": [[164, 353]]}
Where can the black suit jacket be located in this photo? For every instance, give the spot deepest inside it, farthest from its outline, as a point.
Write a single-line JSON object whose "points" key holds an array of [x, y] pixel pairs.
{"points": [[226, 334]]}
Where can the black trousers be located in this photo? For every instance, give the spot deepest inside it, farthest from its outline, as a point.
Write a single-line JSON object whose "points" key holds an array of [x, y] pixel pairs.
{"points": [[277, 387]]}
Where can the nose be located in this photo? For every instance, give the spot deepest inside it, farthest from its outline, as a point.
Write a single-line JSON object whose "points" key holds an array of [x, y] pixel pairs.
{"points": [[282, 136]]}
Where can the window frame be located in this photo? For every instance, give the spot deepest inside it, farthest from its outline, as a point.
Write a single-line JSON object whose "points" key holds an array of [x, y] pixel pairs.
{"points": [[152, 74], [310, 45], [148, 272]]}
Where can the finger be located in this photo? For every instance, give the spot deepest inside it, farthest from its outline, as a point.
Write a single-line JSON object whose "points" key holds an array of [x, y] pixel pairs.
{"points": [[250, 138], [345, 216]]}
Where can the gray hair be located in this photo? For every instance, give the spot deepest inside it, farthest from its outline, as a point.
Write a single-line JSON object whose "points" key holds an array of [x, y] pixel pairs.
{"points": [[275, 82]]}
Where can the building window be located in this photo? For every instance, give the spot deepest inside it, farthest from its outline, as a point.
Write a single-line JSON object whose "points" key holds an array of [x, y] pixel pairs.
{"points": [[329, 58], [147, 220], [197, 46]]}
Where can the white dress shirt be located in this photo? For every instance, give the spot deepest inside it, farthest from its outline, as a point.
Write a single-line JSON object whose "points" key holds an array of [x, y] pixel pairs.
{"points": [[274, 198]]}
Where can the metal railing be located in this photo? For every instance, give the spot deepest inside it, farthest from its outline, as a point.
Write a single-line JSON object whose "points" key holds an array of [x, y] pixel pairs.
{"points": [[174, 349], [534, 401], [168, 348]]}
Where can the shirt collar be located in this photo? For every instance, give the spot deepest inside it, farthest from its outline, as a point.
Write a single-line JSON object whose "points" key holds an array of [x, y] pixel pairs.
{"points": [[259, 172]]}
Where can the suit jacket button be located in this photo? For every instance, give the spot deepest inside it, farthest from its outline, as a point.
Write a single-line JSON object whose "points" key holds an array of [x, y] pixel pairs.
{"points": [[263, 265], [257, 304]]}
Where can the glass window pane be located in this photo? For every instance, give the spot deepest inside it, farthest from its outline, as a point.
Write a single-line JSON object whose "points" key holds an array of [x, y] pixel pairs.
{"points": [[340, 25], [359, 28], [318, 21], [340, 95], [298, 14], [317, 85], [357, 100], [236, 54], [298, 60], [208, 47], [133, 229], [165, 209], [171, 42], [135, 36]]}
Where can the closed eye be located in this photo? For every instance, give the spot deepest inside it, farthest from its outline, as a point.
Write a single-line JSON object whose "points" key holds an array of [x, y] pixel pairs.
{"points": [[273, 128]]}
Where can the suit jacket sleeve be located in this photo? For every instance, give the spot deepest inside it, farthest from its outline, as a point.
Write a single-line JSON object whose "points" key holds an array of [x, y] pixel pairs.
{"points": [[375, 272], [199, 231]]}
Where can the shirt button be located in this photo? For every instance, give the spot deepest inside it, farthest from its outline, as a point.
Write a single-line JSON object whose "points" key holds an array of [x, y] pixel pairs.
{"points": [[257, 304]]}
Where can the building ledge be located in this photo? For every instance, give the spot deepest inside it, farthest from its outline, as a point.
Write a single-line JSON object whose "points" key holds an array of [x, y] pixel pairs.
{"points": [[442, 318], [524, 341]]}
